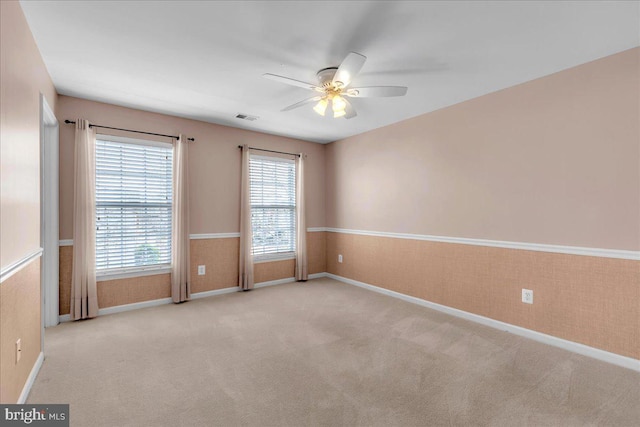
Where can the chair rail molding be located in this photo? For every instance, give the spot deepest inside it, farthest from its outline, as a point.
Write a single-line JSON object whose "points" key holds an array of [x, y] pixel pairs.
{"points": [[538, 247]]}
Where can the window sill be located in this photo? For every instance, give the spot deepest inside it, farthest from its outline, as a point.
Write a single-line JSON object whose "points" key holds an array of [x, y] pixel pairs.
{"points": [[274, 257], [126, 273]]}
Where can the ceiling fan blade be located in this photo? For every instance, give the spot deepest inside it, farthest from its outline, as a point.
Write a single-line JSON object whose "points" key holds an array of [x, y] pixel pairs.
{"points": [[349, 68], [301, 103], [350, 112], [375, 91], [292, 82]]}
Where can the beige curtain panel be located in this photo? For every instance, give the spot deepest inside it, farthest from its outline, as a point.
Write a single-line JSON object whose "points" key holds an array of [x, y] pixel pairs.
{"points": [[84, 295], [245, 277], [180, 267], [302, 273]]}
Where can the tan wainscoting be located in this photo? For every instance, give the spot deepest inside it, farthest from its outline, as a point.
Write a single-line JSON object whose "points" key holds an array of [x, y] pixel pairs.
{"points": [[64, 279], [317, 251], [19, 319], [220, 256], [589, 300], [112, 292], [273, 270], [133, 289]]}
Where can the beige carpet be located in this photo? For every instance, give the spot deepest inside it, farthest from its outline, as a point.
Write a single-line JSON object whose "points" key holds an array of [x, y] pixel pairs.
{"points": [[320, 353]]}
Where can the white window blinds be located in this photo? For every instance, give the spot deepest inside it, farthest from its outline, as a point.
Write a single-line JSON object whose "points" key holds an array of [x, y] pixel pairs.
{"points": [[133, 204], [273, 205]]}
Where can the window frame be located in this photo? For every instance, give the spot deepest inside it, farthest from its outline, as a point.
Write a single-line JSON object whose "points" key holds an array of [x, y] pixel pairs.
{"points": [[138, 271], [279, 256]]}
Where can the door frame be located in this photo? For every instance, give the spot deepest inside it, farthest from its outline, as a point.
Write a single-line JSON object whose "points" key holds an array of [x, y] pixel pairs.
{"points": [[49, 187]]}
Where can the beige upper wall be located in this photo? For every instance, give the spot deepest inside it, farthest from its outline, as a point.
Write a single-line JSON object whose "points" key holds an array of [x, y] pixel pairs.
{"points": [[214, 162], [555, 160], [23, 76]]}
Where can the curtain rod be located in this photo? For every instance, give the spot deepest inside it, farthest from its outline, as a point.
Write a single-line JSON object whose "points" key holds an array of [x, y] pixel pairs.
{"points": [[271, 151], [128, 130]]}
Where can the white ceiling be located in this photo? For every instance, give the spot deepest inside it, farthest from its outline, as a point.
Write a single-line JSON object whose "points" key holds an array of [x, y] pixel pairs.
{"points": [[205, 60]]}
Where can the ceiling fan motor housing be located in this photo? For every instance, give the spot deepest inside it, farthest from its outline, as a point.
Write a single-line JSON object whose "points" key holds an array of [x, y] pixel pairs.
{"points": [[325, 76]]}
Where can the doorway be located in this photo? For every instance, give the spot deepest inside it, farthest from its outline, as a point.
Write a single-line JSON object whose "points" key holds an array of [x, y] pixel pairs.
{"points": [[49, 153]]}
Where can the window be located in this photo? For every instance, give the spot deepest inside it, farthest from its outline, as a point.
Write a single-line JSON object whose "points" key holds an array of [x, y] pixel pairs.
{"points": [[133, 204], [273, 206]]}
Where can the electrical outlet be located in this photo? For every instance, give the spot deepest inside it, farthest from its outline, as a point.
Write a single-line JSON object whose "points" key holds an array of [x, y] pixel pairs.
{"points": [[339, 258], [527, 296], [18, 349], [201, 270]]}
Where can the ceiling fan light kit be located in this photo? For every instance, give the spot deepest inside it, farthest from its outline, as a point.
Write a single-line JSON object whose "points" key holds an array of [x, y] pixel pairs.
{"points": [[338, 104], [333, 87], [321, 106]]}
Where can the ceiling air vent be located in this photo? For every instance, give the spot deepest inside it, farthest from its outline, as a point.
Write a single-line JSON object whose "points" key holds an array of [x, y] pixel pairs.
{"points": [[246, 117]]}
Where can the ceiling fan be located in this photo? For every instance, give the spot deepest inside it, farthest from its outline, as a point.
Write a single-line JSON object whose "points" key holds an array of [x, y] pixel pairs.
{"points": [[333, 88]]}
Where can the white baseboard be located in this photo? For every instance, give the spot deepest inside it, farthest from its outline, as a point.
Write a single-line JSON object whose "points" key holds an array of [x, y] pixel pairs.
{"points": [[274, 282], [144, 304], [287, 280], [255, 286], [616, 359], [214, 292], [31, 379], [134, 306], [605, 356], [122, 308]]}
